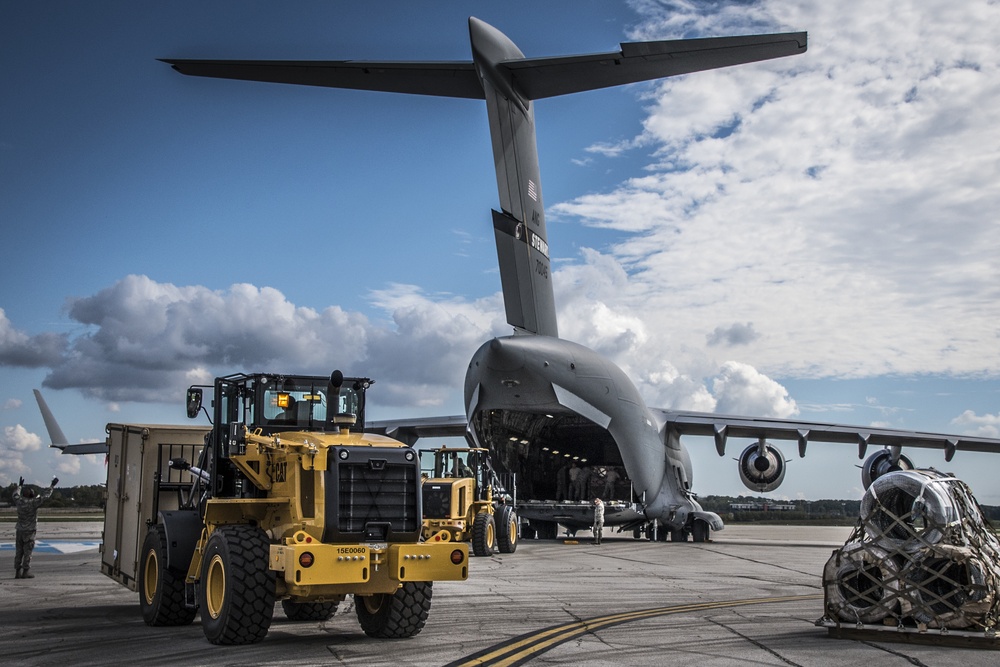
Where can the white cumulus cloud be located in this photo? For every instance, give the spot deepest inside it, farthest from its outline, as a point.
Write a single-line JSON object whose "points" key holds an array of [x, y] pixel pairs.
{"points": [[842, 201], [741, 389], [987, 425], [18, 439]]}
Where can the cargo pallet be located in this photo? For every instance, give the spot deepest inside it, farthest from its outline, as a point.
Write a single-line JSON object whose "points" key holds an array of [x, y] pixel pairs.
{"points": [[922, 566]]}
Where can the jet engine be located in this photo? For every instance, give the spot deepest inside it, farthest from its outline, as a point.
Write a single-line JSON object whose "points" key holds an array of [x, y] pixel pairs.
{"points": [[881, 462], [762, 467]]}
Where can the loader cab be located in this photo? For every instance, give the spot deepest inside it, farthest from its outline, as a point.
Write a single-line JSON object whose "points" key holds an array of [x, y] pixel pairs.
{"points": [[275, 403], [272, 404], [458, 463]]}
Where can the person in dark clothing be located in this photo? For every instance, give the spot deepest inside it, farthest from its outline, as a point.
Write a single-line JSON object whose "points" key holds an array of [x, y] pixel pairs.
{"points": [[27, 504]]}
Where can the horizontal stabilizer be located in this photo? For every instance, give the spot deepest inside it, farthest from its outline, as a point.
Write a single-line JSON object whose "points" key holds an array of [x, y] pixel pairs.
{"points": [[534, 78], [538, 78], [455, 79]]}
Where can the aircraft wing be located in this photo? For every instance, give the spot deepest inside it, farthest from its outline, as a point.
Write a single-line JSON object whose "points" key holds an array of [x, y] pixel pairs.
{"points": [[411, 430], [722, 427], [535, 78], [59, 439], [83, 448]]}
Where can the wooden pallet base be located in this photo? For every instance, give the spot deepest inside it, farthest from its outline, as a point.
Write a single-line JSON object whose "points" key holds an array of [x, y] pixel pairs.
{"points": [[951, 638]]}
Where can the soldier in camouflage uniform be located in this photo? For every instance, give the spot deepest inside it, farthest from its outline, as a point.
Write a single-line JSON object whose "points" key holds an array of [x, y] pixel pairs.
{"points": [[27, 504], [598, 527]]}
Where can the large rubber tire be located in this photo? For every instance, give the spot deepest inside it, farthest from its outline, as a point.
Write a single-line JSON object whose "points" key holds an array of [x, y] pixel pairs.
{"points": [[237, 588], [908, 509], [395, 616], [862, 585], [949, 588], [484, 535], [308, 611], [679, 535], [700, 531], [507, 530], [161, 590]]}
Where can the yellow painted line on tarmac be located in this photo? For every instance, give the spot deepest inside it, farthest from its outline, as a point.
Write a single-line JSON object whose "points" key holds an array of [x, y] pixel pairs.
{"points": [[520, 650]]}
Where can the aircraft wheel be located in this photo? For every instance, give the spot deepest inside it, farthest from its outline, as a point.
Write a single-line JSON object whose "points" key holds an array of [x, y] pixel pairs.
{"points": [[484, 535], [548, 530], [308, 611], [507, 533], [700, 531], [161, 590], [679, 535], [396, 616], [237, 588]]}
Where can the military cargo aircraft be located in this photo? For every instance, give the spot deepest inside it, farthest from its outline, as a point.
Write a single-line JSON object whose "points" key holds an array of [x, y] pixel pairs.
{"points": [[544, 405]]}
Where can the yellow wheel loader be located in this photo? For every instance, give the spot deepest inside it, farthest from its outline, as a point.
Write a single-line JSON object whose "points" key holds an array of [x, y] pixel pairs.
{"points": [[464, 501], [286, 499]]}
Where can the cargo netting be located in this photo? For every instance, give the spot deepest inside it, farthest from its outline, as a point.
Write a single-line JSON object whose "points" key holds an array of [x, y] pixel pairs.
{"points": [[922, 557]]}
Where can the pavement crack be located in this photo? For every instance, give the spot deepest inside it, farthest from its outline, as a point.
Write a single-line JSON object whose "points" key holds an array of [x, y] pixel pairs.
{"points": [[758, 562], [898, 654], [756, 643]]}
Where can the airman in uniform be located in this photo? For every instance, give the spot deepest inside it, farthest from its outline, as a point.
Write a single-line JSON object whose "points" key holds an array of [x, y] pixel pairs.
{"points": [[27, 504]]}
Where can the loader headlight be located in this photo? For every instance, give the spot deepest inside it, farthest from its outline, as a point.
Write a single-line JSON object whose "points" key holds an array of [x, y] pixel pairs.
{"points": [[306, 559], [343, 454], [457, 556], [409, 455]]}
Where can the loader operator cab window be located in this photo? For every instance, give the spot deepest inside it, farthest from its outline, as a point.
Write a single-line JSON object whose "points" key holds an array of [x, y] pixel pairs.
{"points": [[306, 403], [456, 464], [346, 406], [297, 406]]}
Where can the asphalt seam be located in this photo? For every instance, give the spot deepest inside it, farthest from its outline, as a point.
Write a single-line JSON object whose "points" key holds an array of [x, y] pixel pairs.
{"points": [[755, 642]]}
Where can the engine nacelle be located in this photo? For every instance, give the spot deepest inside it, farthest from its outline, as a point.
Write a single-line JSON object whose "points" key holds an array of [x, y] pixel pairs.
{"points": [[762, 471], [880, 463]]}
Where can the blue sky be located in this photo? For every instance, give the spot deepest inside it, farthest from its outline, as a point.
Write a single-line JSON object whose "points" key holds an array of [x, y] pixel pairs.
{"points": [[812, 237]]}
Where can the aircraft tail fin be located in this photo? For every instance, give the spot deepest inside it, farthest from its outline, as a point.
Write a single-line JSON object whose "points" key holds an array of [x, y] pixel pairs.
{"points": [[524, 276], [501, 75]]}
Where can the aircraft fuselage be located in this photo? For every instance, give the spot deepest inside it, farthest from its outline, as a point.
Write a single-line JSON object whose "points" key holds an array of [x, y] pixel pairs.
{"points": [[541, 403]]}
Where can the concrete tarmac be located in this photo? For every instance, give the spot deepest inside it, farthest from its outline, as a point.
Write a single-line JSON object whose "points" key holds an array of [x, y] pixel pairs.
{"points": [[749, 597]]}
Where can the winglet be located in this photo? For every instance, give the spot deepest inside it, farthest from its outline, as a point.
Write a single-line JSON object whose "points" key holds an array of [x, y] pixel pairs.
{"points": [[56, 435], [58, 438]]}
